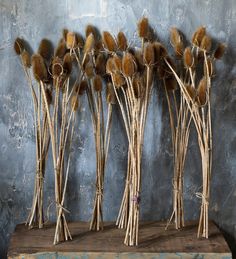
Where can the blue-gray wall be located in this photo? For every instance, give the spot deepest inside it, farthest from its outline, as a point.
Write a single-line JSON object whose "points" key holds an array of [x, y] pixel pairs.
{"points": [[35, 19]]}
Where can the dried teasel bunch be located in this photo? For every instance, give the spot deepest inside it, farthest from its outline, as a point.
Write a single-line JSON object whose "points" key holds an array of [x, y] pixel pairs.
{"points": [[109, 42], [39, 68]]}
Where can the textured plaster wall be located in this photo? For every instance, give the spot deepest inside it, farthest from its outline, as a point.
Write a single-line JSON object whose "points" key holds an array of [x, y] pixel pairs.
{"points": [[35, 19]]}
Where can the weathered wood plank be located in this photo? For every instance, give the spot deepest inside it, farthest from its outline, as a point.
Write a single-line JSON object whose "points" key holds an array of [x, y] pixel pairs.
{"points": [[154, 242]]}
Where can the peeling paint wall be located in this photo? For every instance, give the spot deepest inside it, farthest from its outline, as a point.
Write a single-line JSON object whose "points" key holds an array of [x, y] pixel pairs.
{"points": [[34, 20]]}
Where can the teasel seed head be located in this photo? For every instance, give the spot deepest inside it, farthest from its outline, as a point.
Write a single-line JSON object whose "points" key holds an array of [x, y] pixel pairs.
{"points": [[122, 41], [110, 66], [117, 61], [18, 46], [208, 66], [128, 65], [60, 50], [108, 41], [100, 64], [143, 28], [57, 67], [45, 49], [191, 91], [179, 50], [110, 94], [149, 54], [170, 83], [97, 83], [89, 43], [83, 87], [71, 40], [220, 50], [188, 58], [198, 36], [74, 103], [89, 70], [67, 64], [39, 68], [175, 37], [159, 51], [202, 92], [206, 43], [118, 80], [26, 59], [90, 29]]}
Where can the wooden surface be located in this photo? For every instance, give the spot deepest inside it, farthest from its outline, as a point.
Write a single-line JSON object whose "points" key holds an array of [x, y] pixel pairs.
{"points": [[154, 242]]}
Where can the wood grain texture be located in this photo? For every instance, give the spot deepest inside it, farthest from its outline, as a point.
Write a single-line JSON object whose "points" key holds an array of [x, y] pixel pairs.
{"points": [[154, 242]]}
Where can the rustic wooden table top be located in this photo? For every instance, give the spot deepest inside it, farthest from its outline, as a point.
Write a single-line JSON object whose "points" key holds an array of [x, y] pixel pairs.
{"points": [[153, 238]]}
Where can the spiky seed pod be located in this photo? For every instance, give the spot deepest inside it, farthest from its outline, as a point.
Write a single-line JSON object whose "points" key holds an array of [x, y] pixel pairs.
{"points": [[110, 95], [110, 66], [26, 59], [108, 41], [48, 94], [175, 37], [57, 67], [100, 64], [89, 70], [83, 87], [74, 103], [60, 50], [188, 58], [159, 51], [39, 68], [208, 66], [71, 40], [97, 83], [67, 64], [117, 61], [202, 92], [198, 36], [179, 50], [18, 46], [170, 83], [220, 50], [118, 80], [80, 41], [64, 33], [89, 43], [91, 29], [122, 41], [206, 43], [128, 65], [139, 60], [149, 54], [45, 49], [191, 91], [143, 27]]}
